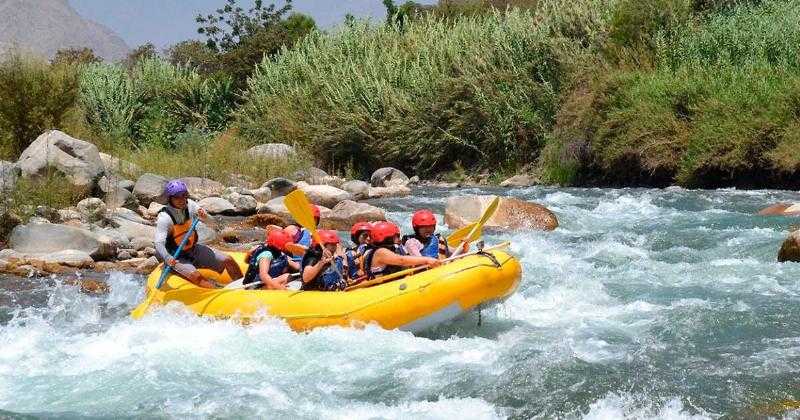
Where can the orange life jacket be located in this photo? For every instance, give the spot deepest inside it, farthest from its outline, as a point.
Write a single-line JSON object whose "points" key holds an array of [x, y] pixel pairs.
{"points": [[179, 230]]}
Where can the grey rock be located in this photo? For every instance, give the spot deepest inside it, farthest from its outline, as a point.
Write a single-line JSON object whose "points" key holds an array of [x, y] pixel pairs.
{"points": [[69, 258], [324, 195], [150, 188], [116, 236], [262, 195], [279, 186], [126, 184], [77, 160], [114, 165], [92, 209], [386, 177], [121, 198], [9, 173], [217, 205], [69, 214], [311, 175], [271, 151], [348, 212], [132, 229], [358, 189], [200, 188], [130, 215], [38, 220], [206, 234], [243, 204], [124, 255], [392, 191], [522, 180], [140, 243], [414, 180], [154, 208], [50, 238]]}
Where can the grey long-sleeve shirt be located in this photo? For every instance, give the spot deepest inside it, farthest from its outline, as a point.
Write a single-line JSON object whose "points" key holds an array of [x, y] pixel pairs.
{"points": [[164, 226]]}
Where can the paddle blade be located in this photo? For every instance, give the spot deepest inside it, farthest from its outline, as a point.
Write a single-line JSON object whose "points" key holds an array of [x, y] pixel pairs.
{"points": [[300, 207], [456, 237], [487, 214], [296, 250], [142, 308]]}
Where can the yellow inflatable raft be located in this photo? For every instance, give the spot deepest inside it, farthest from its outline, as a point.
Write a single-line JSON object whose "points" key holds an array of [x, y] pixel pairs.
{"points": [[412, 303]]}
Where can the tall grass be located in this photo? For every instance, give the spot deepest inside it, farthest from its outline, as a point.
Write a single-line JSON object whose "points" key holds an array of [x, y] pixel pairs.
{"points": [[480, 90]]}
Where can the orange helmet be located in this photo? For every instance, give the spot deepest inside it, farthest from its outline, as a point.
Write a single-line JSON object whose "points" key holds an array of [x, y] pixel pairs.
{"points": [[315, 211], [327, 237], [278, 238], [423, 218], [382, 231], [357, 228]]}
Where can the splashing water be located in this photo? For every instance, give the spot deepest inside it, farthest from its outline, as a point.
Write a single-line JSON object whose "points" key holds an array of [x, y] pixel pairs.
{"points": [[643, 304]]}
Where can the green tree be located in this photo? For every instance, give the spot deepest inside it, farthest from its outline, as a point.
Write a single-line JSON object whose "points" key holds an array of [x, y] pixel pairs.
{"points": [[75, 56], [230, 25], [195, 54], [140, 53]]}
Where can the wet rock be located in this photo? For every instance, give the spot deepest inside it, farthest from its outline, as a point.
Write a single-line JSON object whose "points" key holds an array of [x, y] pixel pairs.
{"points": [[124, 255], [68, 258], [523, 180], [141, 243], [147, 266], [77, 160], [348, 212], [392, 191], [105, 266], [387, 177], [358, 189], [217, 205], [511, 213], [271, 151], [324, 195], [150, 188], [9, 173], [94, 287], [92, 210], [50, 238], [200, 188], [279, 186], [114, 165], [781, 209], [790, 249]]}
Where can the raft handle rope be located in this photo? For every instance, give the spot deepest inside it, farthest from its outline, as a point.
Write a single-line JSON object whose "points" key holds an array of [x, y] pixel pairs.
{"points": [[494, 260]]}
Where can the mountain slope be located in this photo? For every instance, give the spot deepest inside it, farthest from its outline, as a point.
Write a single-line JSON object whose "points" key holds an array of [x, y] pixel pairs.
{"points": [[45, 26]]}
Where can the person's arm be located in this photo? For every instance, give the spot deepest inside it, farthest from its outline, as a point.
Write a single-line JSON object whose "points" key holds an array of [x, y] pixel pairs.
{"points": [[414, 247], [311, 271], [163, 225], [293, 265], [266, 279], [195, 209], [386, 257]]}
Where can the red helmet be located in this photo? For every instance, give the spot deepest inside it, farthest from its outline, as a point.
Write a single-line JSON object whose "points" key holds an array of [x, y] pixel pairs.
{"points": [[423, 218], [327, 237], [357, 228], [382, 231], [315, 211], [278, 238]]}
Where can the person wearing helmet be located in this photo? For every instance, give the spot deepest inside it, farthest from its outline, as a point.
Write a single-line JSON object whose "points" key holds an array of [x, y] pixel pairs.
{"points": [[425, 241], [301, 235], [173, 223], [268, 264], [384, 254], [323, 266], [359, 234]]}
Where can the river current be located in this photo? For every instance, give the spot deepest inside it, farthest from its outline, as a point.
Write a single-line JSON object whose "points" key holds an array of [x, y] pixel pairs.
{"points": [[642, 304]]}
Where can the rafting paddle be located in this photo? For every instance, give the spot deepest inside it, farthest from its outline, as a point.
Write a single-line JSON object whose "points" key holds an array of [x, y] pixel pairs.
{"points": [[456, 237], [475, 233], [298, 205], [142, 308]]}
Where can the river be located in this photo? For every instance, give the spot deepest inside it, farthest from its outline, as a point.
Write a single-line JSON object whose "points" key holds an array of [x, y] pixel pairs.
{"points": [[642, 304]]}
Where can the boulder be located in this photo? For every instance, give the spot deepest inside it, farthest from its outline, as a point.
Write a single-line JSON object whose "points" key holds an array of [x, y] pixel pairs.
{"points": [[358, 189], [511, 213], [279, 186], [130, 215], [392, 191], [277, 207], [271, 151], [9, 173], [48, 213], [150, 188], [243, 204], [124, 255], [114, 165], [324, 195], [781, 209], [141, 243], [69, 214], [217, 205], [50, 238], [414, 180], [313, 176], [386, 177], [262, 195], [77, 160], [121, 198], [200, 188], [94, 287], [347, 213], [154, 209], [132, 229], [92, 210], [790, 249], [68, 257], [126, 184], [111, 236], [523, 180]]}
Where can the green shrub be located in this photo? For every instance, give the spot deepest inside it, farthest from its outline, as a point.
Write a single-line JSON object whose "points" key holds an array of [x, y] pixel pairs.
{"points": [[52, 191], [34, 97]]}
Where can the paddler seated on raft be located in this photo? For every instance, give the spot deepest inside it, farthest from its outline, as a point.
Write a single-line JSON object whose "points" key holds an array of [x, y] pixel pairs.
{"points": [[425, 241], [385, 256], [323, 266], [172, 224], [301, 236], [268, 264], [359, 235]]}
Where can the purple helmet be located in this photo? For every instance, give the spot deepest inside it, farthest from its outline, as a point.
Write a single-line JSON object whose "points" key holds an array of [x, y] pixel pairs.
{"points": [[175, 188]]}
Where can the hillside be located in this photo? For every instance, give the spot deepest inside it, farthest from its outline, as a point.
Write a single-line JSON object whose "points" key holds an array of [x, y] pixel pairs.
{"points": [[45, 26]]}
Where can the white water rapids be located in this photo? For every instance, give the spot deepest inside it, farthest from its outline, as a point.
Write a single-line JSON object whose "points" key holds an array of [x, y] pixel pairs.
{"points": [[642, 304]]}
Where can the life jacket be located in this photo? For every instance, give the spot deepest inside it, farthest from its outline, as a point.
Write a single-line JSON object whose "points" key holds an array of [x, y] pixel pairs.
{"points": [[354, 259], [369, 254], [181, 223], [433, 248], [305, 240], [277, 266], [330, 278]]}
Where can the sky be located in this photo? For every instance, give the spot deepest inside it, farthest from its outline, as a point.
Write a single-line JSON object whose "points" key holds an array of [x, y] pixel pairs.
{"points": [[165, 22]]}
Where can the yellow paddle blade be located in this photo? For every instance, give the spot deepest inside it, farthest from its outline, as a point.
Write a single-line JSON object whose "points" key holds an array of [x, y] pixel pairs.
{"points": [[456, 237], [487, 214], [298, 205], [142, 308]]}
